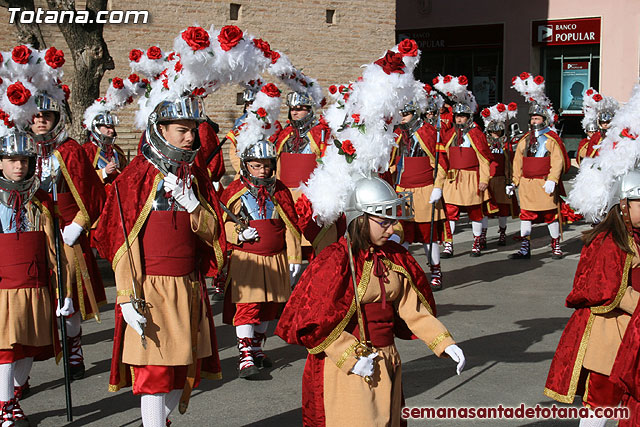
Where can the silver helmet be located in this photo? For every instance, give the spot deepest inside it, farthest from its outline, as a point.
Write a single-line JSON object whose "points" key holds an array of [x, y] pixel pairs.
{"points": [[260, 150], [18, 143], [58, 133], [301, 99], [104, 118], [416, 121], [463, 109], [165, 156], [604, 116], [536, 109], [249, 95], [374, 196], [627, 187], [591, 127], [495, 127]]}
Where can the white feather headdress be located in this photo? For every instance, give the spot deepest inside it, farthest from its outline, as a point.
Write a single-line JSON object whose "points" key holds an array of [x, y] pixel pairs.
{"points": [[533, 90], [121, 92], [499, 113], [593, 103], [456, 89]]}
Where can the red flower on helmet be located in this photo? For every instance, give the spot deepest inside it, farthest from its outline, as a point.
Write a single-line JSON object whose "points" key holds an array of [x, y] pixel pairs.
{"points": [[196, 37], [597, 97], [117, 83], [463, 80], [589, 92], [501, 107], [427, 87], [263, 46], [135, 55], [18, 94], [408, 47], [271, 90], [447, 78], [274, 56], [333, 89], [134, 78], [261, 112], [67, 92], [21, 54], [524, 75], [348, 147], [154, 52], [356, 118], [199, 91], [178, 66], [538, 80], [626, 134], [435, 80], [229, 37], [165, 83], [512, 106], [1, 58], [54, 57], [486, 112], [391, 62]]}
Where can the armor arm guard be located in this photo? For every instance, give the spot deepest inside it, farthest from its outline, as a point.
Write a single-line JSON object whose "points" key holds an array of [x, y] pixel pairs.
{"points": [[517, 162], [557, 161]]}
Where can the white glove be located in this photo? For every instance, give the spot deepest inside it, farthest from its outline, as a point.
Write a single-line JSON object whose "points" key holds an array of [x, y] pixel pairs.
{"points": [[364, 365], [247, 234], [71, 233], [549, 186], [436, 194], [456, 354], [67, 309], [216, 185], [294, 270], [510, 189], [395, 238], [181, 194], [133, 318]]}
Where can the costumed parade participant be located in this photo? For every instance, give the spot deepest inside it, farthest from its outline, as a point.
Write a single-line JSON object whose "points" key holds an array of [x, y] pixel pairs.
{"points": [[593, 358], [248, 96], [64, 164], [414, 163], [495, 120], [467, 183], [598, 112], [539, 162], [169, 229], [28, 265], [265, 242], [353, 370], [584, 148]]}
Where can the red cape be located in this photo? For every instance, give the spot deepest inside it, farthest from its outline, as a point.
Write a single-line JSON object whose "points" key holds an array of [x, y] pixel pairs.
{"points": [[599, 284], [319, 138], [208, 142], [427, 135]]}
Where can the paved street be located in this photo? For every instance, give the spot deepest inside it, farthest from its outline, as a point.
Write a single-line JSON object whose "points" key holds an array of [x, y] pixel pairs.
{"points": [[506, 315]]}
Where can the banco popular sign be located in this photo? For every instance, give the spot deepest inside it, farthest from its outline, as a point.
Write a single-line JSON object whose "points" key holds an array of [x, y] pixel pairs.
{"points": [[566, 32]]}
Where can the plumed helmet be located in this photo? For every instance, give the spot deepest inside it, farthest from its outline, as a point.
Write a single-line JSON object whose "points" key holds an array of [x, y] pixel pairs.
{"points": [[104, 118], [299, 99], [374, 196], [17, 142], [536, 109], [261, 150], [591, 127], [249, 95], [628, 186]]}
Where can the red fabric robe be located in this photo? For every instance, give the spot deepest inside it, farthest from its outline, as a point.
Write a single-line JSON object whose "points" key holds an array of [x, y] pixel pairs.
{"points": [[208, 142]]}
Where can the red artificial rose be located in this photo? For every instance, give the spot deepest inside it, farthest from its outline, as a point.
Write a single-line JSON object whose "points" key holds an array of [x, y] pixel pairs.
{"points": [[229, 37], [435, 80], [263, 46], [391, 62], [447, 78], [154, 52], [135, 55], [271, 90], [486, 112], [129, 100], [427, 88], [408, 47], [597, 97], [165, 83], [274, 56], [333, 89], [21, 54], [356, 118], [18, 94], [348, 148], [342, 88], [589, 92], [178, 66], [171, 56], [199, 91], [1, 58], [626, 134], [261, 112], [512, 106], [134, 78], [145, 82], [117, 83], [538, 80], [500, 107], [54, 57], [323, 101], [524, 75], [463, 80], [196, 37]]}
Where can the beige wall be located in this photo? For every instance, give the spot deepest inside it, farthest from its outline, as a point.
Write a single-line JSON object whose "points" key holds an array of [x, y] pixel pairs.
{"points": [[620, 32], [332, 53]]}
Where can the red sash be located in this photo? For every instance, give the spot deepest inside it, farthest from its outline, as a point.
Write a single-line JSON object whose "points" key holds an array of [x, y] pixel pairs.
{"points": [[67, 207], [271, 241], [463, 158], [635, 279], [378, 323], [296, 168], [417, 172], [23, 260], [536, 167], [168, 245], [497, 164]]}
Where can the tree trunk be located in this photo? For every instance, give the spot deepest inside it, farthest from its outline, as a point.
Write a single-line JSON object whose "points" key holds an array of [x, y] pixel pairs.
{"points": [[27, 33]]}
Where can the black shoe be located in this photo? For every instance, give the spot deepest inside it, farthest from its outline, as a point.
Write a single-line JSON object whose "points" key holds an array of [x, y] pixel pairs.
{"points": [[520, 255], [249, 372], [475, 254], [76, 371], [557, 256], [263, 362], [436, 288], [218, 296]]}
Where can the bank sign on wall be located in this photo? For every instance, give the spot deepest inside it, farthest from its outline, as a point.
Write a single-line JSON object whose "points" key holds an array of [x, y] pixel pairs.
{"points": [[566, 32]]}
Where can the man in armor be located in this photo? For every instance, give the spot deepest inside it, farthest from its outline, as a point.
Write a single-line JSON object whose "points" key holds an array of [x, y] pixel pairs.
{"points": [[107, 157], [266, 253], [585, 148], [414, 163], [598, 112], [169, 211], [248, 96], [63, 164]]}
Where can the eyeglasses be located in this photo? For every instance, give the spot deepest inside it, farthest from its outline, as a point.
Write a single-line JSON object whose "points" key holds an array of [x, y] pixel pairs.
{"points": [[259, 166], [407, 113], [385, 223]]}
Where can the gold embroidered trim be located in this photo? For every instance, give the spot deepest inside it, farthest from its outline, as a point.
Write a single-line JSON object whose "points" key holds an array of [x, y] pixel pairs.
{"points": [[314, 145], [621, 290], [211, 375], [233, 199], [401, 270], [288, 223], [436, 342], [133, 233], [586, 390], [577, 368], [79, 289], [362, 288], [217, 249], [348, 352], [72, 187], [124, 292]]}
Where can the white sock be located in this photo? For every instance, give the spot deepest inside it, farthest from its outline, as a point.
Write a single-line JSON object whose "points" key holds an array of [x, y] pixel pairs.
{"points": [[525, 228], [476, 226], [152, 410], [406, 245], [435, 252], [502, 222], [171, 400], [485, 222], [73, 324], [592, 422], [261, 327], [244, 331], [21, 371], [554, 229], [452, 224], [6, 381]]}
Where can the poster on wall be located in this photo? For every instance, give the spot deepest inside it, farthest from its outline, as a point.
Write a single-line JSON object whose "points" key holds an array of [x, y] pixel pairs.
{"points": [[574, 81]]}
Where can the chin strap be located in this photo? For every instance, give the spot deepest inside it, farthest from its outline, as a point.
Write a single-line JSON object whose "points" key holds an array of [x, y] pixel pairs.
{"points": [[626, 218]]}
